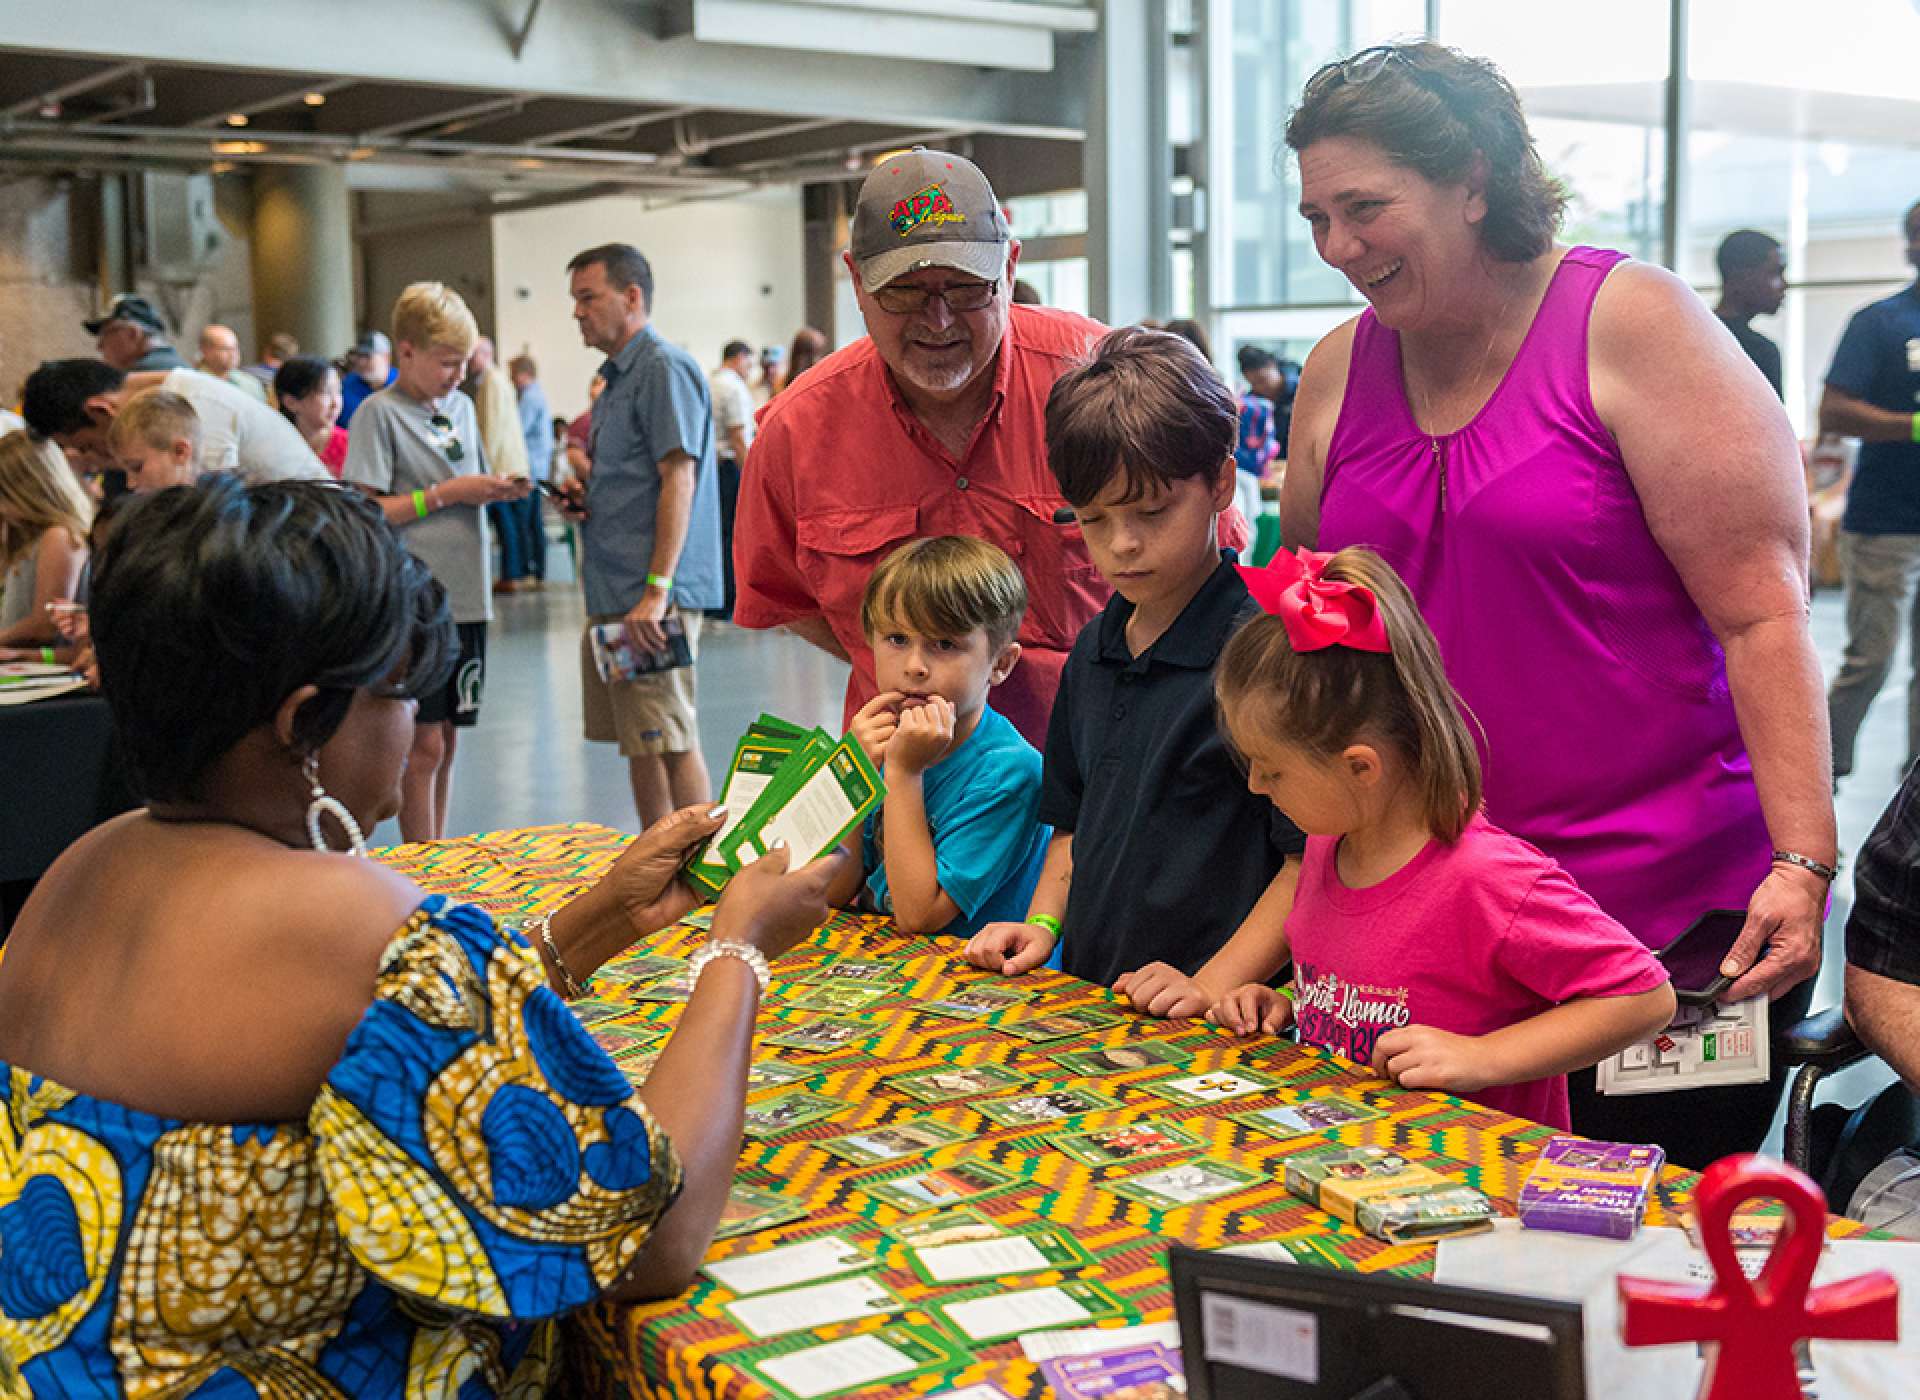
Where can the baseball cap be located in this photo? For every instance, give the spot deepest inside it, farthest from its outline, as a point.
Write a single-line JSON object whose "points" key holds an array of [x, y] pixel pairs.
{"points": [[373, 343], [925, 208], [138, 310]]}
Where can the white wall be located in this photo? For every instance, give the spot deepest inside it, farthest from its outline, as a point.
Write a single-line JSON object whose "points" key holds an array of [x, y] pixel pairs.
{"points": [[722, 270]]}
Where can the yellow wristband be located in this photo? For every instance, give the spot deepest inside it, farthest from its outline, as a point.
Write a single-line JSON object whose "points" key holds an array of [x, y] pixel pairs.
{"points": [[420, 504]]}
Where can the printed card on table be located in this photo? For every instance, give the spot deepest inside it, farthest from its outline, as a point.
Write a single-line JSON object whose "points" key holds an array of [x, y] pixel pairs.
{"points": [[935, 1086], [1118, 1059], [771, 1074], [1046, 1106], [1008, 1313], [856, 970], [892, 1142], [823, 1034], [750, 1210], [1059, 1025], [821, 996], [812, 1305], [1006, 1256], [1124, 1142], [940, 1186], [884, 1357], [1217, 1087], [788, 1265], [1291, 1120], [1186, 1183], [974, 1003], [795, 1108], [954, 1225]]}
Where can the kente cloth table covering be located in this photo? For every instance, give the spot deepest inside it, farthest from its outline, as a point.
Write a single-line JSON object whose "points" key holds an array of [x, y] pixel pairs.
{"points": [[689, 1347]]}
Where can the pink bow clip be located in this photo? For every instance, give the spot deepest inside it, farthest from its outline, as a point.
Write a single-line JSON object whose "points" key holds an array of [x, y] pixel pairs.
{"points": [[1316, 611]]}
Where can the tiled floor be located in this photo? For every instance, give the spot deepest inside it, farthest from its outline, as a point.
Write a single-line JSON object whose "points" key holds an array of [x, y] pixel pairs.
{"points": [[526, 763]]}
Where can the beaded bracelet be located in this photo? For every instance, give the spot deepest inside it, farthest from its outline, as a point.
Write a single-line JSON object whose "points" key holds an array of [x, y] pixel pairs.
{"points": [[568, 984]]}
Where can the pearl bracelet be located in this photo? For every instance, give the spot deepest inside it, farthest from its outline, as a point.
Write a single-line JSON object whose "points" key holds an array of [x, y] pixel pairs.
{"points": [[723, 948]]}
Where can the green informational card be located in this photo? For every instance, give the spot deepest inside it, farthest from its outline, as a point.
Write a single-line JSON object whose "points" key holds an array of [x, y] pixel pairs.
{"points": [[784, 1112], [1220, 1086], [624, 1042], [636, 968], [860, 971], [940, 1186], [1006, 1256], [750, 1210], [1124, 1142], [954, 1225], [974, 1003], [893, 1142], [1046, 1106], [1292, 1120], [823, 1034], [1186, 1183], [956, 1082], [855, 1364], [677, 986], [1059, 1025], [989, 1317], [827, 996], [760, 760], [1118, 1059], [811, 815], [769, 1074]]}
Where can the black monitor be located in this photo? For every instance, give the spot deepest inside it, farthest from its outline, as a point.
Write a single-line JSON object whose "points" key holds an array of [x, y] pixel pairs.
{"points": [[1264, 1329]]}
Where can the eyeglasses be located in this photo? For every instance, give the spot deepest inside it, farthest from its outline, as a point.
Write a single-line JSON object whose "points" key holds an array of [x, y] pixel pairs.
{"points": [[448, 440], [959, 296]]}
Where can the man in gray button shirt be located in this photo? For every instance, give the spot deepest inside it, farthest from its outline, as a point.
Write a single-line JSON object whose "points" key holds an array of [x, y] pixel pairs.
{"points": [[650, 526]]}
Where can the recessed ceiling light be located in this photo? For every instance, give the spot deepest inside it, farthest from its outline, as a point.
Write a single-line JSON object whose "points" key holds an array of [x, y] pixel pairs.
{"points": [[315, 99], [237, 119]]}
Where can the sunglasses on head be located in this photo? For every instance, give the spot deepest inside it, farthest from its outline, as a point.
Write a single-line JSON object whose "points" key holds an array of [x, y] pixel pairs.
{"points": [[1361, 68]]}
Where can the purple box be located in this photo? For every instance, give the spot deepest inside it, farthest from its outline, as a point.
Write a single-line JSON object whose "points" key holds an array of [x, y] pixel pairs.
{"points": [[1590, 1188], [1139, 1371]]}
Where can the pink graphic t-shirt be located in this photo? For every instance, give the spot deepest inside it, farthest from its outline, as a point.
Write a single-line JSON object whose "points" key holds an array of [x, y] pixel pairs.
{"points": [[1468, 937]]}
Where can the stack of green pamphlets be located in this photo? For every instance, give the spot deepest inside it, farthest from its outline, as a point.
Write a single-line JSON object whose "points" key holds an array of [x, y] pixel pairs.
{"points": [[789, 784]]}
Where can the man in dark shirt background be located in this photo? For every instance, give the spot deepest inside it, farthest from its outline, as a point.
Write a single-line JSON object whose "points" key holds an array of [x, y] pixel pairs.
{"points": [[1753, 282]]}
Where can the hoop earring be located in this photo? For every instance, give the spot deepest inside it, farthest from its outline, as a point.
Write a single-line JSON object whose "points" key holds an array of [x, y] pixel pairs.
{"points": [[325, 805]]}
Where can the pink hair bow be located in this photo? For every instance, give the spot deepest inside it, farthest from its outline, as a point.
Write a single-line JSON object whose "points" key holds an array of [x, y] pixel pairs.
{"points": [[1317, 612]]}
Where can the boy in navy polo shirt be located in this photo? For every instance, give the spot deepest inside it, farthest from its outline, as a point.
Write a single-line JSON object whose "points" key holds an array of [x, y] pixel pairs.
{"points": [[956, 844], [1160, 854]]}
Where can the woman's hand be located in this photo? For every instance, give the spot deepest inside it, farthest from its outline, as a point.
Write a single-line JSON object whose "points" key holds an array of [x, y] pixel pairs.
{"points": [[1786, 913], [645, 879], [769, 909], [1254, 1007], [1160, 989]]}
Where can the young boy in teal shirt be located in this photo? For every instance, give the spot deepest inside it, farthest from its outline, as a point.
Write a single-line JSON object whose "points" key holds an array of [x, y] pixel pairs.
{"points": [[956, 845]]}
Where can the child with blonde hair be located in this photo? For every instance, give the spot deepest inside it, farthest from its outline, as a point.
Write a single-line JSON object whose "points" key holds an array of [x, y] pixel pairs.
{"points": [[1426, 942], [415, 446], [155, 438], [44, 518]]}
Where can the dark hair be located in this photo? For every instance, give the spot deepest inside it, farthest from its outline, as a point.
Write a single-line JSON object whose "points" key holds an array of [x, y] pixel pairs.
{"points": [[625, 266], [213, 602], [1434, 110], [735, 347], [809, 348], [56, 394], [1193, 331], [1327, 699], [1742, 250], [1252, 357], [523, 364], [298, 378], [1025, 293], [1145, 405]]}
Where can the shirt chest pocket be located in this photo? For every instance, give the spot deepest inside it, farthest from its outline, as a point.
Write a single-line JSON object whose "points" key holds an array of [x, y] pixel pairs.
{"points": [[1064, 590], [838, 549]]}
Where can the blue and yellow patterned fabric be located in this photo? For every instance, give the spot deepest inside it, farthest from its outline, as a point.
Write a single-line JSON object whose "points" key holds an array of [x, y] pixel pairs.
{"points": [[473, 1167]]}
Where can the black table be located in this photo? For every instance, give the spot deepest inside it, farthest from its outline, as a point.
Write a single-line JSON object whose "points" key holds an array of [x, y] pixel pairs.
{"points": [[60, 776]]}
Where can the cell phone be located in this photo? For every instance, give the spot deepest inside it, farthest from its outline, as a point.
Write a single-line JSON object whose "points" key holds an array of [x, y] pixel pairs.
{"points": [[1693, 959]]}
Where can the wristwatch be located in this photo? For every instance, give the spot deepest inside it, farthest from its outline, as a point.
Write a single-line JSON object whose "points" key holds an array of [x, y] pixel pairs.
{"points": [[726, 948]]}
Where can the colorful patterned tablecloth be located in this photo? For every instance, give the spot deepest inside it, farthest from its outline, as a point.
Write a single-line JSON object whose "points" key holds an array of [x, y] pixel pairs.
{"points": [[689, 1347]]}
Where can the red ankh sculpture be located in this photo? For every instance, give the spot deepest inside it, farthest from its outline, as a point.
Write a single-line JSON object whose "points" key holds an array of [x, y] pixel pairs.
{"points": [[1755, 1325]]}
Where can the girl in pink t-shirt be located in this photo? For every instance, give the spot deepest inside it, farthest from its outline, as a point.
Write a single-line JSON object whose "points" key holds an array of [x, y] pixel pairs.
{"points": [[1426, 942]]}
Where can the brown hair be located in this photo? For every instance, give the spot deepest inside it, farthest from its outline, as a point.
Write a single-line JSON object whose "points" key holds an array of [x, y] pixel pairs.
{"points": [[154, 418], [1325, 700], [809, 348], [945, 586], [1146, 405], [1435, 110]]}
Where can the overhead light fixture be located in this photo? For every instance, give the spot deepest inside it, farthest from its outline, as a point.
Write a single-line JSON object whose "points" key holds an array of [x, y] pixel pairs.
{"points": [[239, 148], [237, 119], [315, 99]]}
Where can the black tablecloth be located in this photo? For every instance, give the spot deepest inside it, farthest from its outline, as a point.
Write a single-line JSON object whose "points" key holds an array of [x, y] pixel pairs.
{"points": [[59, 776]]}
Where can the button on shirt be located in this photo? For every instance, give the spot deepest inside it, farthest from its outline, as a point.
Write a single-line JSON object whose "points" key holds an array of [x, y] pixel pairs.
{"points": [[1170, 849], [656, 403], [843, 473], [1878, 362]]}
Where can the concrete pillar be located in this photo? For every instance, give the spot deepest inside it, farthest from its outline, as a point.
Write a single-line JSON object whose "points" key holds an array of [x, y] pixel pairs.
{"points": [[1129, 166], [824, 211], [303, 256]]}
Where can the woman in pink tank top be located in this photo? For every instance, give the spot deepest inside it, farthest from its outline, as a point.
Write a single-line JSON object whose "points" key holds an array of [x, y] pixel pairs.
{"points": [[1597, 502]]}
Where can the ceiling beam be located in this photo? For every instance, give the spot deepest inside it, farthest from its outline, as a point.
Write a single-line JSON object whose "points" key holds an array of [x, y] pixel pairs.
{"points": [[451, 118], [104, 77], [291, 97], [614, 128]]}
